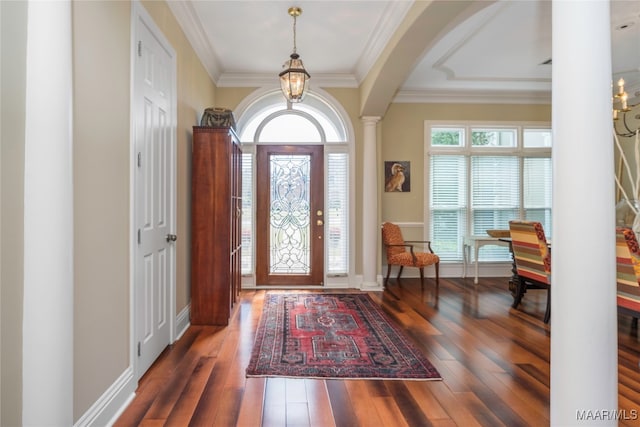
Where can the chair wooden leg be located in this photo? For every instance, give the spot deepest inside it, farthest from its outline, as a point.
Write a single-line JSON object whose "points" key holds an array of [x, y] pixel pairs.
{"points": [[421, 277], [521, 287], [547, 314], [388, 272], [400, 272]]}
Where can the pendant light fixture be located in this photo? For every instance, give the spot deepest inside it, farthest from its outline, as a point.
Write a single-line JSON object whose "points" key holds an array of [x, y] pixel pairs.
{"points": [[293, 79]]}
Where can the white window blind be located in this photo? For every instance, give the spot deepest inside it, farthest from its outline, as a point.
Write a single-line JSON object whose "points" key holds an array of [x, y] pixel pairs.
{"points": [[448, 175], [337, 214], [537, 191], [495, 198], [247, 214], [480, 178]]}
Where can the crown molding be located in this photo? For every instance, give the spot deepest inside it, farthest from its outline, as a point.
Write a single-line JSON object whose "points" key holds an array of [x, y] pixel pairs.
{"points": [[388, 25], [472, 97], [189, 22]]}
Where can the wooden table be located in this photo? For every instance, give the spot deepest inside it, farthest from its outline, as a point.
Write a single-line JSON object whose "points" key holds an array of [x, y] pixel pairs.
{"points": [[476, 242]]}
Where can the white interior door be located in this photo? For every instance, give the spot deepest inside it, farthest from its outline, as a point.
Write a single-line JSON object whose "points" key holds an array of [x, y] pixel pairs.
{"points": [[154, 158]]}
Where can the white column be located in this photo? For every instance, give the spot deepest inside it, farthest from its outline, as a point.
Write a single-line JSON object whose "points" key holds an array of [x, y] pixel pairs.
{"points": [[48, 219], [370, 227], [583, 318]]}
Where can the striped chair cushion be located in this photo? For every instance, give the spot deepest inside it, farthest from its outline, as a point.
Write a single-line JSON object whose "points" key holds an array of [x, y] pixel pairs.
{"points": [[628, 269], [532, 256]]}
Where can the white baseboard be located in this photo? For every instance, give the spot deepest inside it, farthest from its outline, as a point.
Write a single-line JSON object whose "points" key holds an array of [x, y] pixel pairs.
{"points": [[485, 269], [106, 410], [183, 321]]}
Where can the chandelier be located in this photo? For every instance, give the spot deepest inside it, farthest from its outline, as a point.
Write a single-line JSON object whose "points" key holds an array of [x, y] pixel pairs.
{"points": [[293, 79], [620, 108], [620, 100]]}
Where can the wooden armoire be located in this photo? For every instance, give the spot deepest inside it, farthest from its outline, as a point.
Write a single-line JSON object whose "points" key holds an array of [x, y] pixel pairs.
{"points": [[215, 224]]}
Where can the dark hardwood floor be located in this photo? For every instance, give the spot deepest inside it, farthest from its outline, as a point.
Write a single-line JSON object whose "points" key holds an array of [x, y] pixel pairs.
{"points": [[494, 361]]}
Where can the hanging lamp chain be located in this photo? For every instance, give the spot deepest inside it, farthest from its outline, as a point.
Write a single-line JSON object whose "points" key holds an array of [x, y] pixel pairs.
{"points": [[294, 32], [294, 12]]}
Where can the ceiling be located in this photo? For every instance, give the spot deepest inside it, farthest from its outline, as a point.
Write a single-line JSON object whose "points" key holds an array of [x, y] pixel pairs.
{"points": [[497, 53]]}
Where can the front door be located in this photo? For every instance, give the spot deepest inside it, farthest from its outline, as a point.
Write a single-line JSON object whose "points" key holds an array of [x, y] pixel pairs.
{"points": [[290, 215], [154, 158]]}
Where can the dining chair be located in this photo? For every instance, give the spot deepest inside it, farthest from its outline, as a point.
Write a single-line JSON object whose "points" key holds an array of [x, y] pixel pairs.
{"points": [[628, 273], [401, 252], [532, 260]]}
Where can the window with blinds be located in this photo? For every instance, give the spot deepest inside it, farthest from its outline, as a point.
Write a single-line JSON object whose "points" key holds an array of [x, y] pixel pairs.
{"points": [[247, 214], [481, 177], [337, 214]]}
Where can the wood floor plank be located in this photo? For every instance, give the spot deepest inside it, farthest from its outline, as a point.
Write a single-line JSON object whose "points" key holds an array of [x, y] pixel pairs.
{"points": [[297, 414], [460, 414], [184, 408], [485, 396], [296, 390], [494, 361], [275, 404], [207, 409], [358, 392], [229, 409], [525, 403], [137, 409], [409, 408], [389, 412], [320, 414], [481, 413], [168, 397], [251, 408], [341, 404], [427, 401]]}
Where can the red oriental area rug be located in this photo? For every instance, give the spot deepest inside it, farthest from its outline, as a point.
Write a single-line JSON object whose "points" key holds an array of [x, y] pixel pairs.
{"points": [[345, 336]]}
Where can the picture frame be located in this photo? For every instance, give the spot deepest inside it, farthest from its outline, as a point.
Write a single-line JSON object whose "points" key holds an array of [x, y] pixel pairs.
{"points": [[397, 176]]}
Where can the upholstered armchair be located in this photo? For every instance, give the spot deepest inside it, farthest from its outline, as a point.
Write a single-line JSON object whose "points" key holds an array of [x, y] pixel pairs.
{"points": [[628, 272], [401, 253], [532, 260]]}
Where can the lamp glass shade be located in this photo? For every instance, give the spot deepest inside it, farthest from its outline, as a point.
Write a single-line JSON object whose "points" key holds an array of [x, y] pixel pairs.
{"points": [[293, 80]]}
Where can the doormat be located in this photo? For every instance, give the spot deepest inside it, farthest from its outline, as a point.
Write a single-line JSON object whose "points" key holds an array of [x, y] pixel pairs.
{"points": [[333, 336]]}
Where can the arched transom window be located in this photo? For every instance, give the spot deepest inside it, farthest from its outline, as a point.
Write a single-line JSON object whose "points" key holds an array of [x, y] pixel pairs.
{"points": [[268, 120]]}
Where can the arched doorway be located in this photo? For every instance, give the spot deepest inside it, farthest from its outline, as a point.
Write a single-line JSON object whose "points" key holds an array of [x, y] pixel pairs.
{"points": [[294, 225]]}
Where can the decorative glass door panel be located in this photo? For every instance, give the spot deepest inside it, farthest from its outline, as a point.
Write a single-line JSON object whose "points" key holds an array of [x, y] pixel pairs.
{"points": [[289, 237], [289, 229]]}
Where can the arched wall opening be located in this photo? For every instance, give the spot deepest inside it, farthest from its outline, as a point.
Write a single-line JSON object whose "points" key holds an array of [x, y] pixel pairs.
{"points": [[265, 118]]}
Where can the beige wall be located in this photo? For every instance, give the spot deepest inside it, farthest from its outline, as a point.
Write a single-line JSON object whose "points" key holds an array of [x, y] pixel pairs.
{"points": [[13, 48], [403, 139], [101, 197], [230, 97], [101, 174]]}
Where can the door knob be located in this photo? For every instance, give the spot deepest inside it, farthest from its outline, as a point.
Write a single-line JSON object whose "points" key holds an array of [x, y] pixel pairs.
{"points": [[171, 237]]}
